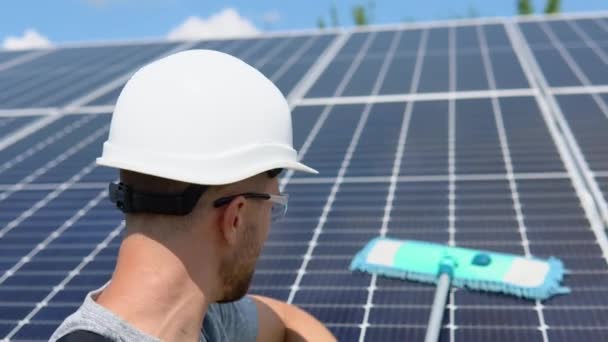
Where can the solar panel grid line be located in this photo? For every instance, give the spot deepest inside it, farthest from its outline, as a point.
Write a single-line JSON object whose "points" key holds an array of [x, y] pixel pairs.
{"points": [[56, 233], [395, 173], [341, 172], [42, 144], [23, 58], [587, 189], [451, 304], [45, 200], [430, 96], [86, 260], [558, 16], [18, 112], [578, 90], [430, 24], [54, 162], [101, 109], [429, 178], [504, 144], [320, 65]]}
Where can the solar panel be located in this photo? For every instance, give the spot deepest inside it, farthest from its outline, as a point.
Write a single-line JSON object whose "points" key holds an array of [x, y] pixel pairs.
{"points": [[487, 133]]}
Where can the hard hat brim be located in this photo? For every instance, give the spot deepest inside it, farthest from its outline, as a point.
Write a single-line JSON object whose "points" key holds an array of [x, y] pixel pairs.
{"points": [[222, 169]]}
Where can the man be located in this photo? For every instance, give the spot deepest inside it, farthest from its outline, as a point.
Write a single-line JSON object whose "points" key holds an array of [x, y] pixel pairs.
{"points": [[200, 138]]}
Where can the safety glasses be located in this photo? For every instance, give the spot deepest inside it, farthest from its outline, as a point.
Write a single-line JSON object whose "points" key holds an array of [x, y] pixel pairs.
{"points": [[279, 202]]}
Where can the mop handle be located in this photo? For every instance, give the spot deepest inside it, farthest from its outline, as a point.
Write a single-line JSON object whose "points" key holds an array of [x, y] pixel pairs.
{"points": [[436, 317]]}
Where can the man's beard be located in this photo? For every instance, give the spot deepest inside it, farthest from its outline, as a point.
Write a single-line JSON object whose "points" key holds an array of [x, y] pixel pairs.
{"points": [[237, 271]]}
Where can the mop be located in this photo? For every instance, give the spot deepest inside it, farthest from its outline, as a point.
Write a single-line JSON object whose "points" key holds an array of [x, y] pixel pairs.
{"points": [[529, 278]]}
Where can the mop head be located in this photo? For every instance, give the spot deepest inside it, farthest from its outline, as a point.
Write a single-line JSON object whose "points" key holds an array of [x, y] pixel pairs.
{"points": [[523, 277]]}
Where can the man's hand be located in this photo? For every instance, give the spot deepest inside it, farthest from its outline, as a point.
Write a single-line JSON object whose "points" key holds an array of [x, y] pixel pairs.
{"points": [[279, 321]]}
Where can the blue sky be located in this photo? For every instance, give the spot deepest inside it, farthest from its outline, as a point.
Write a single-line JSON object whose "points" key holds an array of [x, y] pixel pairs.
{"points": [[90, 20]]}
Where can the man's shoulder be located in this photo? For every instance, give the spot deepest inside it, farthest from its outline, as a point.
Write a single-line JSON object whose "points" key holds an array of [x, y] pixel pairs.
{"points": [[234, 321], [78, 321]]}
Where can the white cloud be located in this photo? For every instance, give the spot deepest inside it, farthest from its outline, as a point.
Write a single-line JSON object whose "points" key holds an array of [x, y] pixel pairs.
{"points": [[271, 17], [31, 39], [226, 23]]}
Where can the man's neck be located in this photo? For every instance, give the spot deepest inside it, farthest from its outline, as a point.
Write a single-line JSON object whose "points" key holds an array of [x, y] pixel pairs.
{"points": [[153, 291]]}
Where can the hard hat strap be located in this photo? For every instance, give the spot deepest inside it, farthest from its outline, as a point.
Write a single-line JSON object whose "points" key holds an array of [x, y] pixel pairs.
{"points": [[132, 201]]}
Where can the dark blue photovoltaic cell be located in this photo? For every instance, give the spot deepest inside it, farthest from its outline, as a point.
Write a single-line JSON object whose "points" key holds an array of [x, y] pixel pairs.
{"points": [[325, 153], [59, 77], [471, 72], [591, 64], [466, 38], [438, 40], [508, 73], [397, 334], [55, 129], [493, 316], [376, 149], [332, 76], [556, 70], [534, 35], [9, 56], [589, 126], [531, 147], [508, 334], [288, 79], [592, 28], [564, 32], [554, 67], [435, 75], [365, 75], [35, 331], [426, 144], [477, 146], [589, 61], [81, 152], [506, 68], [603, 182], [400, 71], [9, 125], [496, 36]]}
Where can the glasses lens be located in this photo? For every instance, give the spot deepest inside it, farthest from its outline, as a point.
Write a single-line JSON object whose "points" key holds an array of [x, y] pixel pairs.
{"points": [[279, 207], [278, 211]]}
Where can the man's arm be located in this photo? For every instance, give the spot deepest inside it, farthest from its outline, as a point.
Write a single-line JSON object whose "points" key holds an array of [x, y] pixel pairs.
{"points": [[279, 321]]}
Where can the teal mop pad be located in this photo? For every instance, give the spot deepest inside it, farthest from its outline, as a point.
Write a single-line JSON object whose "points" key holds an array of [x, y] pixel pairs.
{"points": [[530, 278]]}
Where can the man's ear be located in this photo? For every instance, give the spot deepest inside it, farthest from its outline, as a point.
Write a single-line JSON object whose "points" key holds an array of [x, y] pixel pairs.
{"points": [[232, 219]]}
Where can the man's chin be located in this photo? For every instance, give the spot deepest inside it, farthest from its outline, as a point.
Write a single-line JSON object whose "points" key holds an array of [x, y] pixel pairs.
{"points": [[233, 297], [236, 293]]}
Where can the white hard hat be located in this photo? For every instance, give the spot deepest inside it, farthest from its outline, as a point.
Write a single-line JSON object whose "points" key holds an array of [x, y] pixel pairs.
{"points": [[202, 117]]}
